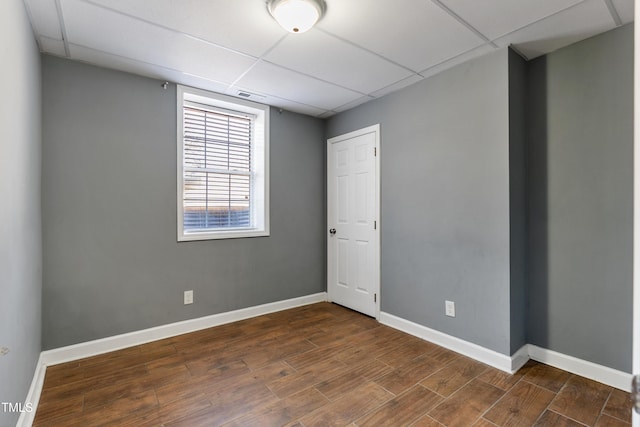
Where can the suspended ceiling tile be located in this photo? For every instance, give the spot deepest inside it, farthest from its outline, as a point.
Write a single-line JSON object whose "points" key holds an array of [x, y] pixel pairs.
{"points": [[285, 104], [94, 27], [324, 56], [416, 34], [561, 30], [513, 14], [270, 79], [44, 18], [101, 59], [414, 78], [327, 114], [473, 53], [297, 108], [242, 25], [275, 101], [353, 104], [52, 46], [625, 10]]}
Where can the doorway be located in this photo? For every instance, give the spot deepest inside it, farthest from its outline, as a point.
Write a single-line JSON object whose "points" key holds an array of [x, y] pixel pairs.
{"points": [[353, 220]]}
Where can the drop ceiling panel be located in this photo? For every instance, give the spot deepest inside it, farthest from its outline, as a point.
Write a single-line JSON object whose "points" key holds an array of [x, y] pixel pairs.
{"points": [[242, 25], [414, 33], [101, 59], [473, 53], [270, 79], [353, 104], [280, 102], [561, 29], [93, 27], [324, 56], [397, 86], [44, 17], [624, 9], [513, 14], [52, 46]]}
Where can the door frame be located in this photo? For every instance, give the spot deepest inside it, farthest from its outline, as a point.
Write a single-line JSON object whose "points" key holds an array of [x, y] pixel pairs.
{"points": [[375, 129]]}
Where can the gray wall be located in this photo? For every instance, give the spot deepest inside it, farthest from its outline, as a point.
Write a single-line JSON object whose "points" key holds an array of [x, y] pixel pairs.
{"points": [[20, 241], [445, 199], [517, 200], [580, 186], [111, 260]]}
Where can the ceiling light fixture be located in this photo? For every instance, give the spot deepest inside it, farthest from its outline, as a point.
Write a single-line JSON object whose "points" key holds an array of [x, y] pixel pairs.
{"points": [[296, 16]]}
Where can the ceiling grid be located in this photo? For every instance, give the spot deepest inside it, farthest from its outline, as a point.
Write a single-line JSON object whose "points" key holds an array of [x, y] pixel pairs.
{"points": [[355, 53]]}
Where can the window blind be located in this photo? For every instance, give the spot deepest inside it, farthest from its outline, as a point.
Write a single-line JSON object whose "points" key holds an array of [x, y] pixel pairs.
{"points": [[217, 169]]}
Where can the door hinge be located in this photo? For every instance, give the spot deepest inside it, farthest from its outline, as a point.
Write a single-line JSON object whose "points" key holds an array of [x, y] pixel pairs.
{"points": [[375, 297], [375, 225], [375, 151]]}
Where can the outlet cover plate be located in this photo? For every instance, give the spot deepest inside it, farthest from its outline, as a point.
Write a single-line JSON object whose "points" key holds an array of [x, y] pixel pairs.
{"points": [[450, 308], [188, 297]]}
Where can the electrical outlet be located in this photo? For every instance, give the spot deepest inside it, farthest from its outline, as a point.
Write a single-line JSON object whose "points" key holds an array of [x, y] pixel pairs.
{"points": [[450, 308], [188, 297]]}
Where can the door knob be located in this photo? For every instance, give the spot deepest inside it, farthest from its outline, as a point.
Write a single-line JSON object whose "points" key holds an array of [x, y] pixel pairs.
{"points": [[332, 231]]}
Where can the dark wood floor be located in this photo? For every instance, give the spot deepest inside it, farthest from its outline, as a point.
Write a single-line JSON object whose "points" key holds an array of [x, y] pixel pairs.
{"points": [[318, 365]]}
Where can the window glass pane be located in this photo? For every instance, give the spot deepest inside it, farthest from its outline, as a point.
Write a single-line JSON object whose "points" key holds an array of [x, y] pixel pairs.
{"points": [[222, 170]]}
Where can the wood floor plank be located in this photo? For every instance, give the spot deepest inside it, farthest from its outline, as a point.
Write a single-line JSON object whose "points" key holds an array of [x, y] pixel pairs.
{"points": [[341, 384], [402, 410], [553, 419], [521, 406], [212, 368], [267, 356], [607, 421], [321, 354], [112, 413], [234, 402], [406, 352], [484, 423], [500, 379], [50, 411], [63, 374], [309, 377], [349, 408], [284, 411], [99, 396], [581, 399], [183, 408], [545, 376], [452, 377], [402, 378], [443, 356], [185, 388], [465, 406], [619, 405], [426, 421], [371, 369]]}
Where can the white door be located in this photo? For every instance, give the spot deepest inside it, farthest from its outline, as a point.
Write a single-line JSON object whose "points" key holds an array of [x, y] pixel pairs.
{"points": [[353, 201]]}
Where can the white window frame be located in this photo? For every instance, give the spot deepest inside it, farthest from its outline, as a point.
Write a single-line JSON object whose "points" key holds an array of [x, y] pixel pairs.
{"points": [[259, 163]]}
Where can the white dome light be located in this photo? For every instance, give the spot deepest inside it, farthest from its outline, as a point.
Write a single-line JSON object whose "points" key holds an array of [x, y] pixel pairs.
{"points": [[296, 16]]}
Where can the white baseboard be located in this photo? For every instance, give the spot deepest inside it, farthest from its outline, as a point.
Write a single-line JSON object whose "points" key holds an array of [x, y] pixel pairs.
{"points": [[33, 396], [519, 358], [474, 351], [118, 342], [602, 374]]}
